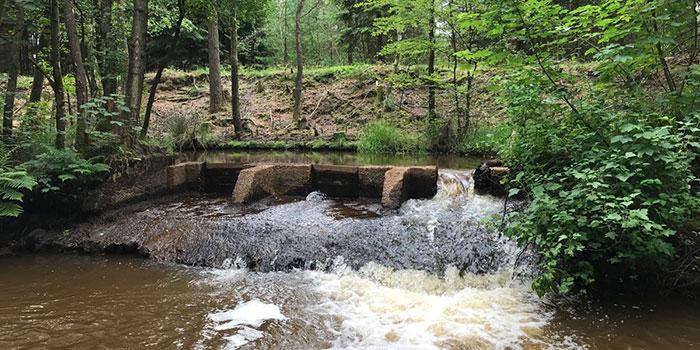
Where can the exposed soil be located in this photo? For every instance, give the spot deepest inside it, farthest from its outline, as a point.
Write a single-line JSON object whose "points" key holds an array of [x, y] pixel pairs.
{"points": [[331, 105]]}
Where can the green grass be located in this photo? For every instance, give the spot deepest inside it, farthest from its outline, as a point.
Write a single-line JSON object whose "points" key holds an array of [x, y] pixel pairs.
{"points": [[380, 137], [486, 140], [291, 145]]}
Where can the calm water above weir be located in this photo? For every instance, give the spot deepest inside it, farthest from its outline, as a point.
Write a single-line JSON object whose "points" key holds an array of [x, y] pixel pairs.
{"points": [[337, 158], [429, 276]]}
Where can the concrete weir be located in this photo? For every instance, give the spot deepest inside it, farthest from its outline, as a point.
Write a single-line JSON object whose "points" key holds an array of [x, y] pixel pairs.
{"points": [[250, 182]]}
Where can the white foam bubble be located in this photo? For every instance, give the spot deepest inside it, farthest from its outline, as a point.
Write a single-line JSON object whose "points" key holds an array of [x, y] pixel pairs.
{"points": [[252, 313], [378, 307], [245, 318]]}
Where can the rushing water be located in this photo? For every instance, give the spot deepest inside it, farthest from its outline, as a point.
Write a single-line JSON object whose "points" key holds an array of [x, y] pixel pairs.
{"points": [[382, 280]]}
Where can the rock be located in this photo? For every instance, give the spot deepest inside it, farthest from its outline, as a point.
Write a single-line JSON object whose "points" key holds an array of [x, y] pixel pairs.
{"points": [[393, 194], [336, 180], [184, 176], [487, 178], [421, 182], [221, 177], [130, 181], [371, 180], [265, 180], [249, 184]]}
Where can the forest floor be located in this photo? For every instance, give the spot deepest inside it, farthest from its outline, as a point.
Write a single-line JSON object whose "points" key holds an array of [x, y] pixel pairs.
{"points": [[337, 101]]}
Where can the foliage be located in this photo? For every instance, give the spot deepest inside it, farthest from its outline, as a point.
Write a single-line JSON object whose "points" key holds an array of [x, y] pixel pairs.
{"points": [[12, 182], [380, 137], [190, 131], [608, 168], [486, 140], [64, 171]]}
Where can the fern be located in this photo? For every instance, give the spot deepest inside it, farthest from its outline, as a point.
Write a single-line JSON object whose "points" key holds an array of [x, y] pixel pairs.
{"points": [[12, 182]]}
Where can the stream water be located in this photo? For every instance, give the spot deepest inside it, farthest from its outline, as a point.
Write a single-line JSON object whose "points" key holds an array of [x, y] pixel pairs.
{"points": [[433, 275]]}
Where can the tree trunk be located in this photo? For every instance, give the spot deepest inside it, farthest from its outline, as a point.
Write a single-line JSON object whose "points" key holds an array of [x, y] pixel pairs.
{"points": [[58, 91], [81, 89], [453, 42], [163, 63], [123, 44], [216, 90], [2, 10], [13, 72], [235, 99], [105, 47], [431, 62], [136, 70], [298, 93], [284, 35], [38, 76]]}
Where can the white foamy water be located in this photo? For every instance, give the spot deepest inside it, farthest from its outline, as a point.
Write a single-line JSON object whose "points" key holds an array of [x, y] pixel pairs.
{"points": [[379, 308], [245, 319]]}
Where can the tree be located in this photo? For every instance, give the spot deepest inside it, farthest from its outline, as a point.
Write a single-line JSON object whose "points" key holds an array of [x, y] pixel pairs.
{"points": [[216, 91], [81, 88], [57, 85], [298, 93], [431, 61], [106, 46], [13, 73], [136, 70], [235, 98], [414, 24], [161, 67]]}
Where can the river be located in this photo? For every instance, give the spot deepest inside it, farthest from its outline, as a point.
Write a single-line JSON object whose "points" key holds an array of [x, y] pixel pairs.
{"points": [[430, 276]]}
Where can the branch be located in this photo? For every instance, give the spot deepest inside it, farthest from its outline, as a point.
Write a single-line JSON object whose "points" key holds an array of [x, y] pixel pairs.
{"points": [[43, 72], [554, 83], [313, 8]]}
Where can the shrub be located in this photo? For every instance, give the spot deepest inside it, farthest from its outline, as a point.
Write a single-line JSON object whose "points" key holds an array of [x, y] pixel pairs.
{"points": [[488, 140], [12, 182], [65, 171], [190, 131], [380, 137], [610, 190]]}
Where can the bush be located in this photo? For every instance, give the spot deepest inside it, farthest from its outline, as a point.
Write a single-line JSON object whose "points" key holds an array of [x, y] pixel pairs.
{"points": [[190, 131], [487, 140], [610, 190], [65, 171], [12, 182], [380, 137]]}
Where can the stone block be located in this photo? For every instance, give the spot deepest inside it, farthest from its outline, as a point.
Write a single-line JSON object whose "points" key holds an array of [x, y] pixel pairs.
{"points": [[371, 180], [336, 180]]}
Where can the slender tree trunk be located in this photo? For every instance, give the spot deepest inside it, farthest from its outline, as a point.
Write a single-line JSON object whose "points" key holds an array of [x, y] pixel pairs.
{"points": [[136, 71], [284, 35], [123, 43], [104, 46], [216, 90], [2, 10], [13, 72], [453, 42], [37, 87], [88, 57], [37, 77], [298, 93], [159, 73], [81, 89], [58, 91], [431, 62], [235, 98]]}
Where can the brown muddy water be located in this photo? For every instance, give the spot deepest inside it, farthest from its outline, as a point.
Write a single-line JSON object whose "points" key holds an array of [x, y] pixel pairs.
{"points": [[380, 281], [112, 302]]}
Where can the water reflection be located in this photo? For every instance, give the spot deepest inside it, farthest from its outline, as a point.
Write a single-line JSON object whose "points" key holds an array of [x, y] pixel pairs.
{"points": [[337, 158]]}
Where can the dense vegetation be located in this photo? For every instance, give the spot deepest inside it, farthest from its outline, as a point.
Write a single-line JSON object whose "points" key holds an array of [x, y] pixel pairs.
{"points": [[599, 101]]}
